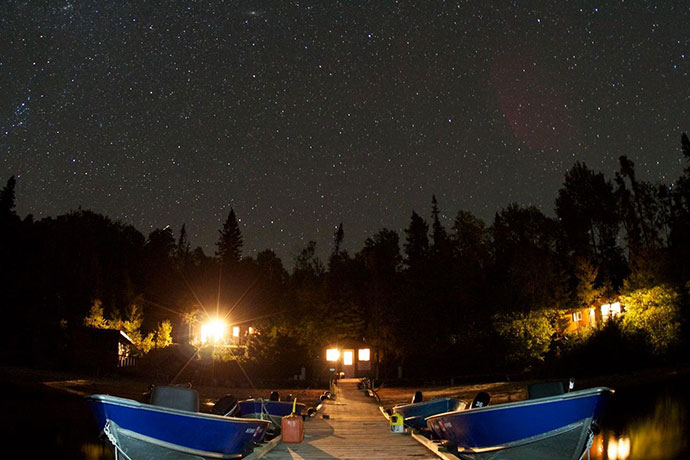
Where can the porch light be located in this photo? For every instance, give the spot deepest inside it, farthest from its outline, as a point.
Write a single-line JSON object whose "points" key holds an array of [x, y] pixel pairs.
{"points": [[332, 354], [213, 331]]}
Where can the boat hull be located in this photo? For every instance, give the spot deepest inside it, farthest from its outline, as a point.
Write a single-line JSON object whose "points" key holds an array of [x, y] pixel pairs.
{"points": [[415, 414], [180, 434], [554, 428]]}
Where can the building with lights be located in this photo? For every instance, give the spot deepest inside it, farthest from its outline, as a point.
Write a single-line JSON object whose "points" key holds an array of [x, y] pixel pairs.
{"points": [[220, 332], [351, 359], [586, 318]]}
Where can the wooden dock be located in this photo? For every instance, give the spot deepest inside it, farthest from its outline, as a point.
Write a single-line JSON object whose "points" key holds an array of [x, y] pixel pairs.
{"points": [[350, 427]]}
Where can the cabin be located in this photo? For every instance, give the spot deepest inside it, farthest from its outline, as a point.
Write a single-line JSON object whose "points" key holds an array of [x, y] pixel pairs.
{"points": [[101, 350], [218, 332], [351, 359], [579, 320]]}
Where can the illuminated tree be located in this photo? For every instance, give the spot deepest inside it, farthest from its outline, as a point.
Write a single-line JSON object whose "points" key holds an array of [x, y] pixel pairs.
{"points": [[527, 335], [655, 314], [164, 334], [95, 317]]}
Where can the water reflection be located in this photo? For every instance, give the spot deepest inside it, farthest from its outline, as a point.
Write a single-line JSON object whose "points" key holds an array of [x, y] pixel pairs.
{"points": [[634, 429], [96, 451]]}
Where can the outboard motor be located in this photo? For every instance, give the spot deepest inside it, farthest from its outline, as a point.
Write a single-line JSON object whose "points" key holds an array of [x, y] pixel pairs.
{"points": [[275, 396], [418, 397], [227, 406], [482, 399]]}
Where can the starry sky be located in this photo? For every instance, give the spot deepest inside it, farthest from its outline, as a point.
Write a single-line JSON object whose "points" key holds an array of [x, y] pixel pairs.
{"points": [[304, 114]]}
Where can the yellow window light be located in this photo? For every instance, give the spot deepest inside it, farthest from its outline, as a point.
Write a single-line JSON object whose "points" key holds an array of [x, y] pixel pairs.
{"points": [[364, 354], [332, 354], [348, 357]]}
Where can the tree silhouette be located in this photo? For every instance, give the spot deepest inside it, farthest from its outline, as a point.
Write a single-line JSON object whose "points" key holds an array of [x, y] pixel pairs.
{"points": [[7, 198], [230, 242], [417, 244]]}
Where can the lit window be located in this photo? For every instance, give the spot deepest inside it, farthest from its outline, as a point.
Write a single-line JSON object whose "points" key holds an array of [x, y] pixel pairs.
{"points": [[577, 316], [332, 354], [610, 310], [363, 354], [235, 331], [251, 330], [348, 357]]}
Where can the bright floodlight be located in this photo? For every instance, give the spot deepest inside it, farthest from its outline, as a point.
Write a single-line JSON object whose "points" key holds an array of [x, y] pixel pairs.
{"points": [[213, 331], [332, 354]]}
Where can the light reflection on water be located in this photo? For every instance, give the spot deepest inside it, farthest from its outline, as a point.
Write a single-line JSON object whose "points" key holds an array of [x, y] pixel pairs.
{"points": [[656, 431], [96, 451]]}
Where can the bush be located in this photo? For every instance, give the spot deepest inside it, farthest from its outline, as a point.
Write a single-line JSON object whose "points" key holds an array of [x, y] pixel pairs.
{"points": [[655, 314], [527, 336]]}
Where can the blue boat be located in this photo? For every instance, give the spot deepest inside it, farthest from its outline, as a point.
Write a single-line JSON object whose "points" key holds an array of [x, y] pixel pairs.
{"points": [[415, 413], [549, 428], [175, 430], [268, 410]]}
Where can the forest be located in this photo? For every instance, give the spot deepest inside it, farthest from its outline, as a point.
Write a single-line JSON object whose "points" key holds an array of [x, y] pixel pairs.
{"points": [[475, 298]]}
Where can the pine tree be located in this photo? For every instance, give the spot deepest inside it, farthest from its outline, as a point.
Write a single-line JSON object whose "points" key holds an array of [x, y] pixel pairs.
{"points": [[338, 239], [183, 252], [7, 199], [439, 236], [230, 241], [417, 243]]}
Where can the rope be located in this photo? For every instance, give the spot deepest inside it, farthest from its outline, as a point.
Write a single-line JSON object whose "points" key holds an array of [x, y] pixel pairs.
{"points": [[264, 410], [113, 440], [590, 441]]}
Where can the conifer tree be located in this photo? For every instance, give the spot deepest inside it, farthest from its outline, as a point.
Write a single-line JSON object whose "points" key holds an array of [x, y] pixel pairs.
{"points": [[230, 241], [338, 239], [7, 199], [417, 242]]}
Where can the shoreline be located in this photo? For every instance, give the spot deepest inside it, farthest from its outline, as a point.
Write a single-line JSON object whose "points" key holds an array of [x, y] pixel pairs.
{"points": [[508, 391], [127, 387]]}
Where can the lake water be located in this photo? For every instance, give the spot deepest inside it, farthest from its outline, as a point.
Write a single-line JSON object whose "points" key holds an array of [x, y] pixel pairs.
{"points": [[647, 422]]}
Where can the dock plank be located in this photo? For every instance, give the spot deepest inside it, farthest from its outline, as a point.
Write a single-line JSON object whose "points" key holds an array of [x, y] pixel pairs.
{"points": [[354, 429]]}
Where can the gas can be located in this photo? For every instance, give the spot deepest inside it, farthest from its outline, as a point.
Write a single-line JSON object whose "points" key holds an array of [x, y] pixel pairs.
{"points": [[397, 423], [292, 428]]}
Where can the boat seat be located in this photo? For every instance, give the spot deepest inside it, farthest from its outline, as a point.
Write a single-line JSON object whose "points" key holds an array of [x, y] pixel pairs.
{"points": [[176, 398], [545, 389]]}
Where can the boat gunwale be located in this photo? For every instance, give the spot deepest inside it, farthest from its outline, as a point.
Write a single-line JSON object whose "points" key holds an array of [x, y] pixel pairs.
{"points": [[131, 403], [418, 404], [529, 402]]}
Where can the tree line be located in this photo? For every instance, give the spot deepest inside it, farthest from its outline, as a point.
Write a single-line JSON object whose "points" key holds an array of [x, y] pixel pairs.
{"points": [[471, 298]]}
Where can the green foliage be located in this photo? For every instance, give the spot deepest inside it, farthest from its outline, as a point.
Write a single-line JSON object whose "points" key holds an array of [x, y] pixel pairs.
{"points": [[164, 334], [655, 313], [95, 317], [131, 325], [526, 335]]}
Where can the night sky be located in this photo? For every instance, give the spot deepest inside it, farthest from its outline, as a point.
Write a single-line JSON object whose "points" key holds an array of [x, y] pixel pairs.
{"points": [[302, 115]]}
